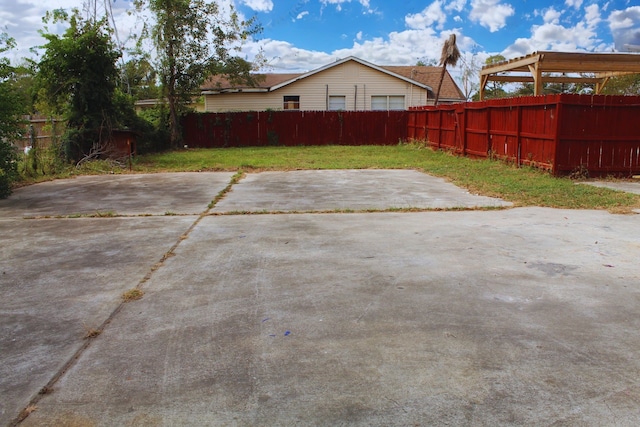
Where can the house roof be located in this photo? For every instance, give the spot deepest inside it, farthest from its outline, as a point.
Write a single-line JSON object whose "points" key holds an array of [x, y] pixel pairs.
{"points": [[263, 83], [422, 76], [430, 76]]}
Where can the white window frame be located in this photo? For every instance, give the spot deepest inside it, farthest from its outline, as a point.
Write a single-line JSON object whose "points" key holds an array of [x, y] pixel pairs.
{"points": [[337, 103], [388, 102]]}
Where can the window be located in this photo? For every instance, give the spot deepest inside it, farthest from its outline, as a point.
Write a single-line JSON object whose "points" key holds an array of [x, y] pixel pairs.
{"points": [[384, 102], [291, 102], [337, 103], [396, 103]]}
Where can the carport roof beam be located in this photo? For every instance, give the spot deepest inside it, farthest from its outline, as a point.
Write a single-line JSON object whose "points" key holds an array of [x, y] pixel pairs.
{"points": [[602, 65]]}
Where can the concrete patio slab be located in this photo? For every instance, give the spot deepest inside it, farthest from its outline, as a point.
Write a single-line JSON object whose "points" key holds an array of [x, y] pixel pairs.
{"points": [[525, 316], [59, 278], [136, 194], [627, 186], [362, 189], [510, 317]]}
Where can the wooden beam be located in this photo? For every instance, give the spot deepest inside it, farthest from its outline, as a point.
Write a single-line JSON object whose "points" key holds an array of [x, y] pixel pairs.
{"points": [[545, 79], [520, 64], [537, 78], [590, 62], [568, 62], [615, 73], [600, 85], [483, 85], [602, 65]]}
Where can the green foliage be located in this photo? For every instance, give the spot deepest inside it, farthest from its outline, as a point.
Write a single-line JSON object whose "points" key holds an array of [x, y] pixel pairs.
{"points": [[154, 130], [8, 168], [11, 106], [78, 76], [427, 62], [493, 89], [138, 79], [24, 84], [623, 85], [192, 39], [41, 162]]}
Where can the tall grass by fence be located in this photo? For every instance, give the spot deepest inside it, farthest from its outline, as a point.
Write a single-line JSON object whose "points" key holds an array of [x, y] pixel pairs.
{"points": [[562, 133], [292, 128], [40, 131]]}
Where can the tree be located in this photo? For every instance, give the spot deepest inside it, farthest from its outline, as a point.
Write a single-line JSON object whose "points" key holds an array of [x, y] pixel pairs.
{"points": [[427, 62], [628, 84], [78, 75], [10, 122], [524, 89], [138, 79], [496, 89], [470, 77], [195, 39], [450, 55]]}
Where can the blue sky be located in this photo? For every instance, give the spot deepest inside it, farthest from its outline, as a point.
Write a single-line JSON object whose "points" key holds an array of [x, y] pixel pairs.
{"points": [[301, 35], [392, 32]]}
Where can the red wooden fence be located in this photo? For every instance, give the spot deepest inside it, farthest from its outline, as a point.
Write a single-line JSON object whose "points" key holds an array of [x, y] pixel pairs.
{"points": [[557, 132], [561, 133], [291, 128]]}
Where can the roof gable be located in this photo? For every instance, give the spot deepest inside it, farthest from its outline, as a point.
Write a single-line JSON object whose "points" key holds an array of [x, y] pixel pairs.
{"points": [[343, 61], [422, 76]]}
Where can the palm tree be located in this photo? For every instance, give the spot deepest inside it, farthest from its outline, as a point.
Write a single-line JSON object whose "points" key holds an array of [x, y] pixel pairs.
{"points": [[449, 56]]}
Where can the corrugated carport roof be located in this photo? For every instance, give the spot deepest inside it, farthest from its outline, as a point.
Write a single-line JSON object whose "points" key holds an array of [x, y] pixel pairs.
{"points": [[601, 66]]}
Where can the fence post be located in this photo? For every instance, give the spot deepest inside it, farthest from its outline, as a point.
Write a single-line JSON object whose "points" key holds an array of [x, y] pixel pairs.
{"points": [[463, 126], [439, 128], [489, 141], [556, 135], [518, 132]]}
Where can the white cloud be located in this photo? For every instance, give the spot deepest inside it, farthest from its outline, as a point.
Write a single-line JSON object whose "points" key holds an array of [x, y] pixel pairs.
{"points": [[302, 15], [365, 4], [259, 5], [552, 36], [431, 15], [22, 19], [287, 57], [359, 35], [551, 16], [573, 3], [491, 13], [592, 15], [455, 5], [625, 28], [399, 48], [582, 35]]}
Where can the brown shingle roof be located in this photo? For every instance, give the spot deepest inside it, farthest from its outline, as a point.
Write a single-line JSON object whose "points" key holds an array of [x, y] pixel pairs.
{"points": [[429, 76], [264, 81]]}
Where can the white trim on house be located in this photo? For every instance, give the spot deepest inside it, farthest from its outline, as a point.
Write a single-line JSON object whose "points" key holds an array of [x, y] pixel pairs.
{"points": [[234, 90]]}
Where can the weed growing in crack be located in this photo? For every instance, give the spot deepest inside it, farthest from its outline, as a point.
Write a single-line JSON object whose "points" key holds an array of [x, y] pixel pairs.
{"points": [[132, 295], [91, 333]]}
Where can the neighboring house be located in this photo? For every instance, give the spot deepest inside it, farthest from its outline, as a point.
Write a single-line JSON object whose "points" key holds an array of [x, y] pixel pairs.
{"points": [[349, 84]]}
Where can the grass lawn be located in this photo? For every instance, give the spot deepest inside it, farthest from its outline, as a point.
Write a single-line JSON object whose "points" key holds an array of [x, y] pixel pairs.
{"points": [[522, 186]]}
